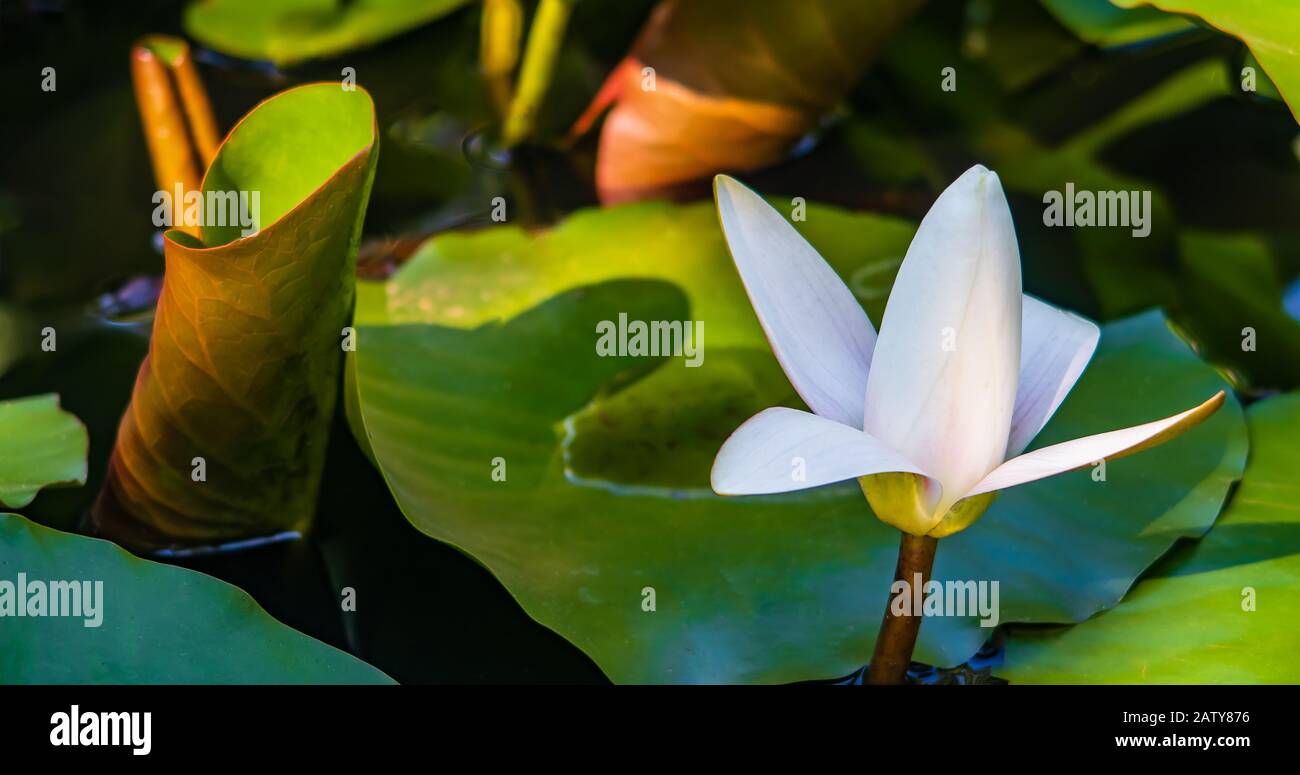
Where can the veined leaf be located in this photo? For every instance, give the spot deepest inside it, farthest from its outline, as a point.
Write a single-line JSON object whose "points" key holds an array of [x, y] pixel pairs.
{"points": [[130, 621], [225, 435], [290, 31], [1222, 610], [479, 356], [40, 446]]}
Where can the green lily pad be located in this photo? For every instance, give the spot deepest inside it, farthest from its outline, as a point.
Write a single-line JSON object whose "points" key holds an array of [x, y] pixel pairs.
{"points": [[668, 425], [1223, 610], [467, 279], [151, 623], [479, 357], [40, 446], [92, 371], [297, 30], [1264, 85], [1268, 28]]}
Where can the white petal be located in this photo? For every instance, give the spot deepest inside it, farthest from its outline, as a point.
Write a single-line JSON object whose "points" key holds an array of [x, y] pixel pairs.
{"points": [[942, 386], [781, 449], [818, 330], [1055, 347], [1069, 455]]}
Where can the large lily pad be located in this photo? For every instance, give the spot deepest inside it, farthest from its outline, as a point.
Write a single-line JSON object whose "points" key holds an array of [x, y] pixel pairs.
{"points": [[40, 445], [468, 355], [1223, 610], [293, 31], [468, 279], [152, 623]]}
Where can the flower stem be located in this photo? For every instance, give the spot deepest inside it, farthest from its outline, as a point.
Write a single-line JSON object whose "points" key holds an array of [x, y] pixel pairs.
{"points": [[898, 633], [499, 33], [540, 55]]}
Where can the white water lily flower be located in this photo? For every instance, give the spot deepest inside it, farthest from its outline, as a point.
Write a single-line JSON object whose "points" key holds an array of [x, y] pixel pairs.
{"points": [[932, 416]]}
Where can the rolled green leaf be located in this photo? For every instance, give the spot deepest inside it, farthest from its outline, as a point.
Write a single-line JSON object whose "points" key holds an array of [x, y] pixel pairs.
{"points": [[225, 435]]}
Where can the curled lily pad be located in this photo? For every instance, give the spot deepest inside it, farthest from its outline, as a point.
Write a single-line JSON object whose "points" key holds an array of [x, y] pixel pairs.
{"points": [[225, 435], [297, 30], [501, 430], [126, 620], [40, 446], [1222, 610]]}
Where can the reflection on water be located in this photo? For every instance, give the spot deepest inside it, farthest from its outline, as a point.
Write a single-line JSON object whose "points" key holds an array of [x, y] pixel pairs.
{"points": [[977, 671]]}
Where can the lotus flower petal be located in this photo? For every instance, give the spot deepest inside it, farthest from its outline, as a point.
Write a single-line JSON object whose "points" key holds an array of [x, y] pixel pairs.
{"points": [[1069, 455], [1055, 347], [781, 449], [943, 383], [821, 337]]}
